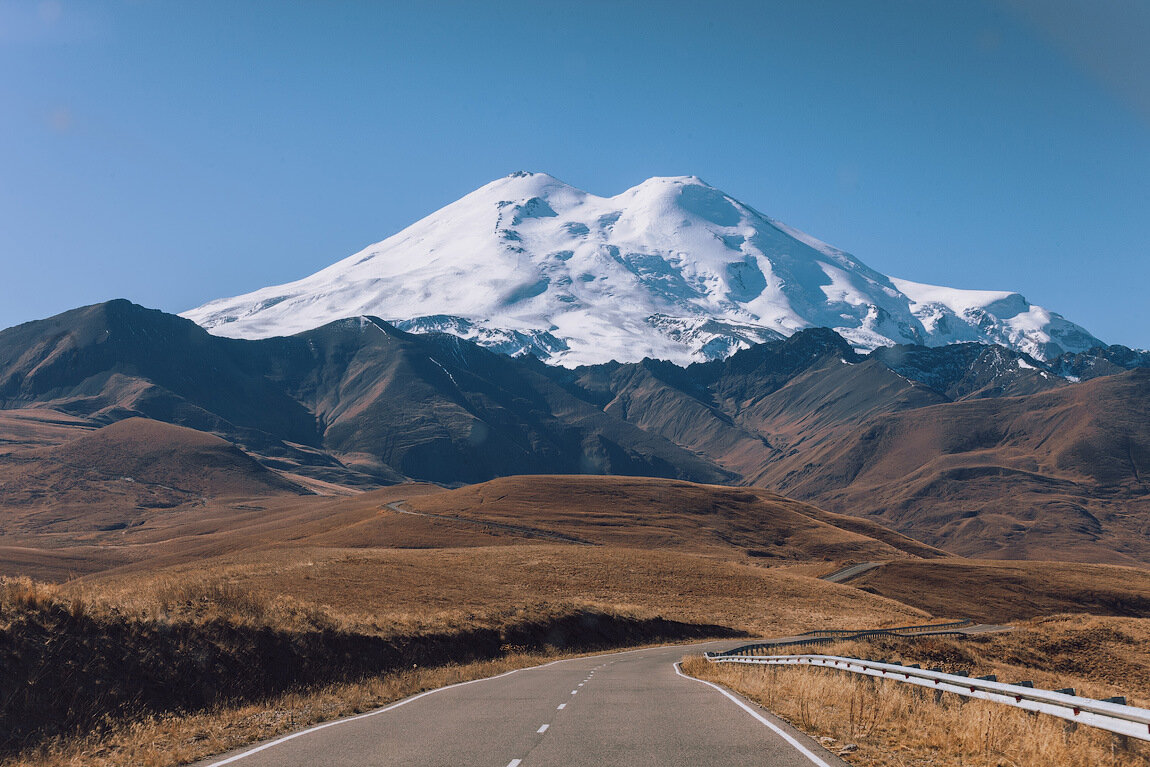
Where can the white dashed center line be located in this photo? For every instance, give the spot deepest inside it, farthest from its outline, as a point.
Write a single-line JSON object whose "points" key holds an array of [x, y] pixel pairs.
{"points": [[561, 706], [514, 763], [574, 691], [543, 728]]}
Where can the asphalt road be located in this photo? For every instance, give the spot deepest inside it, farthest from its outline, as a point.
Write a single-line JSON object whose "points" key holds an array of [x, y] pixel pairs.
{"points": [[631, 708], [853, 571]]}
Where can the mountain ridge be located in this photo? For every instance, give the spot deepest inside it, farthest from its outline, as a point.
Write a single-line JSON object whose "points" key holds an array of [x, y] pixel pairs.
{"points": [[671, 268], [931, 441]]}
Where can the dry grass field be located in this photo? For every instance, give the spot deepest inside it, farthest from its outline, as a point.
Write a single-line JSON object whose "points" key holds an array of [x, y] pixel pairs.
{"points": [[638, 512], [435, 589], [523, 568]]}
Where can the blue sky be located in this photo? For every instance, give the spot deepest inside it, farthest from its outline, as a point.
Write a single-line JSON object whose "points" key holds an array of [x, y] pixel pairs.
{"points": [[172, 153]]}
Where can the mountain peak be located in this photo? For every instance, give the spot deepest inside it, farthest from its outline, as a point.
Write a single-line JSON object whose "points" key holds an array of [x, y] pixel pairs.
{"points": [[523, 182], [671, 268], [660, 181]]}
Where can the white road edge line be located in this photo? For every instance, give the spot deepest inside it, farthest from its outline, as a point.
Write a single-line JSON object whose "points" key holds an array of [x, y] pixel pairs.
{"points": [[542, 729], [405, 701], [762, 720]]}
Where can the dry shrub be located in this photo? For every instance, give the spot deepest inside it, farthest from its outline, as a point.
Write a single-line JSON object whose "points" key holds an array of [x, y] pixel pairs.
{"points": [[19, 594], [219, 597], [206, 599], [889, 724]]}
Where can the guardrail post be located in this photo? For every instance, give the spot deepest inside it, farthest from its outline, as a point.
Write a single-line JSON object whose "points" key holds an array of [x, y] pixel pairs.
{"points": [[1069, 726]]}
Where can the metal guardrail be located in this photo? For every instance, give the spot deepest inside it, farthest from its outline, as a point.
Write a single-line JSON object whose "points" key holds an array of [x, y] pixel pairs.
{"points": [[1109, 715], [841, 635]]}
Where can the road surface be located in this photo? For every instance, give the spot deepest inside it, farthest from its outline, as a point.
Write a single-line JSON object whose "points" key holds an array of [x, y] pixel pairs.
{"points": [[853, 571], [630, 708]]}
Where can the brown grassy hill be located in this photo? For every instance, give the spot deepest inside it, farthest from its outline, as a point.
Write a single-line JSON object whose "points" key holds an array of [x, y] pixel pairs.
{"points": [[1057, 475], [103, 478], [652, 513], [29, 428], [967, 447], [745, 525], [303, 584], [1009, 591]]}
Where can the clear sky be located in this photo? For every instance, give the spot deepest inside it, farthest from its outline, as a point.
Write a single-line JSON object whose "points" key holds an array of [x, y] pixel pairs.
{"points": [[175, 152]]}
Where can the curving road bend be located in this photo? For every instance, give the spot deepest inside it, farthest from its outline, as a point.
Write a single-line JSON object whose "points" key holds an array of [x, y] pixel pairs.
{"points": [[630, 708]]}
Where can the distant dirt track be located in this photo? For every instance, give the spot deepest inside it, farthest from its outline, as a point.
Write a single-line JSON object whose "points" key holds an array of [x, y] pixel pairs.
{"points": [[530, 532]]}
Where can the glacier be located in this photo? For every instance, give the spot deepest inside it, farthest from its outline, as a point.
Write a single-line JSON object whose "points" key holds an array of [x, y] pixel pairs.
{"points": [[672, 269]]}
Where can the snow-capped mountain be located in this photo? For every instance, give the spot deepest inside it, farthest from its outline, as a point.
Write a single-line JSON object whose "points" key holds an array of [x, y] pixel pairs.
{"points": [[672, 268]]}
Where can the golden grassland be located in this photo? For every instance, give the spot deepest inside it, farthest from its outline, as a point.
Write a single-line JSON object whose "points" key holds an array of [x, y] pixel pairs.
{"points": [[881, 723], [321, 581], [435, 589]]}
